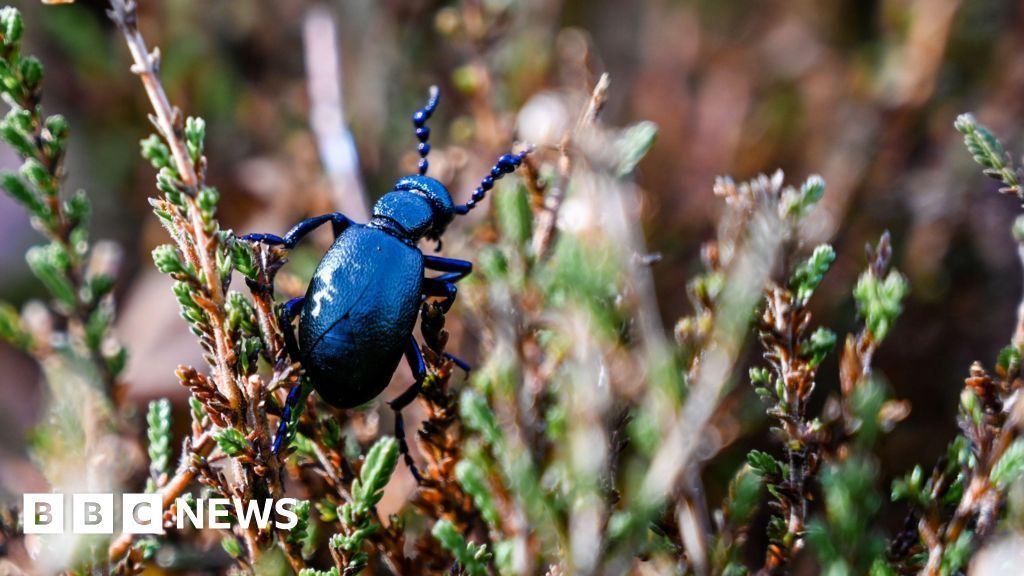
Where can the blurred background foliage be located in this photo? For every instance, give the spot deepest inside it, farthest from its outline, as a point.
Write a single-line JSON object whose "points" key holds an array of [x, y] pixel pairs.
{"points": [[863, 92]]}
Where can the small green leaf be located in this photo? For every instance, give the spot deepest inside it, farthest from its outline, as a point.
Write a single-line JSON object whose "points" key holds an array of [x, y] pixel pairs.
{"points": [[300, 531], [248, 353], [207, 201], [231, 441], [956, 555], [880, 301], [50, 264], [473, 482], [760, 376], [11, 25], [472, 557], [57, 127], [1010, 465], [798, 203], [11, 330], [77, 208], [16, 189], [515, 219], [380, 463], [809, 274], [117, 360], [97, 327], [633, 144], [31, 73], [158, 420], [243, 259], [1008, 360], [988, 151], [314, 572], [36, 174], [148, 546], [762, 463], [241, 314], [100, 285], [231, 546], [818, 346], [910, 487], [196, 408], [195, 133], [158, 154], [478, 416], [744, 493]]}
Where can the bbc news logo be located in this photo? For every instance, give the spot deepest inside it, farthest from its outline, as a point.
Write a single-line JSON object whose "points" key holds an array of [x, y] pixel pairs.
{"points": [[144, 513]]}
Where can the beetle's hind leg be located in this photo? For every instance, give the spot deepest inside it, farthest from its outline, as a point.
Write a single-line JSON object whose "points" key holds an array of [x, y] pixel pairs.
{"points": [[289, 310], [298, 393], [292, 411], [459, 362], [419, 370]]}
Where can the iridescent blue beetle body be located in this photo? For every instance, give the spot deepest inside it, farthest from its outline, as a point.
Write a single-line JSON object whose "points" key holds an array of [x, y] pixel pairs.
{"points": [[357, 317]]}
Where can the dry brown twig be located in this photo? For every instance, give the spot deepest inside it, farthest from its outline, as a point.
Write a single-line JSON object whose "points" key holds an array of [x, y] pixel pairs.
{"points": [[547, 219]]}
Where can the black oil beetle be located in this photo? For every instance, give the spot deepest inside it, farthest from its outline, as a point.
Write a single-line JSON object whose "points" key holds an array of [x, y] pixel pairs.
{"points": [[357, 317]]}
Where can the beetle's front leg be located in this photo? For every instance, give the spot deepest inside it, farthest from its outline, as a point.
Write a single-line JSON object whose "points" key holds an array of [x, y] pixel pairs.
{"points": [[419, 370], [457, 269], [444, 285], [339, 222]]}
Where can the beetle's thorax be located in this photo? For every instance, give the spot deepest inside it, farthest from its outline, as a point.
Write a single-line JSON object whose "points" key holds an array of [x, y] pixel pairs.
{"points": [[405, 215], [392, 228]]}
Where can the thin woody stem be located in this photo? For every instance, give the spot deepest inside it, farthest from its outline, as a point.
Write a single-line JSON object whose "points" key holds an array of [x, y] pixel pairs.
{"points": [[168, 121], [1018, 333], [548, 218], [145, 66], [979, 488]]}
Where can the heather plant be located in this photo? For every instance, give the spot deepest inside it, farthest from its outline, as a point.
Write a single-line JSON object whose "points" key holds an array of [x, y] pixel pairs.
{"points": [[581, 440]]}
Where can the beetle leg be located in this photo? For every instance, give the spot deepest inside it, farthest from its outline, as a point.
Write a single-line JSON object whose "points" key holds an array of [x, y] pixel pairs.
{"points": [[338, 223], [459, 362], [419, 369], [298, 393], [442, 288], [459, 269], [444, 285], [296, 398], [289, 310]]}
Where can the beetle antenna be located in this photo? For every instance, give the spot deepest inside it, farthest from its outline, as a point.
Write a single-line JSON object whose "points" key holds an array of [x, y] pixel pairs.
{"points": [[505, 165], [419, 121]]}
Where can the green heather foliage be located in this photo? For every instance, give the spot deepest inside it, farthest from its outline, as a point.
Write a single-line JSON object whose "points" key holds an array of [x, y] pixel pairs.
{"points": [[80, 292], [158, 431], [581, 441]]}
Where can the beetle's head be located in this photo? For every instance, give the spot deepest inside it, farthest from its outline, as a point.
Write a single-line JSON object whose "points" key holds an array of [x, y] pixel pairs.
{"points": [[420, 205]]}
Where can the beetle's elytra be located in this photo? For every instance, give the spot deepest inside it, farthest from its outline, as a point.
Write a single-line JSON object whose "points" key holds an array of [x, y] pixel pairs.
{"points": [[357, 317]]}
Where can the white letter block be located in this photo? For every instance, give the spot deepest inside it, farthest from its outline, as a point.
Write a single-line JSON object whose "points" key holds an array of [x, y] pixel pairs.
{"points": [[218, 508], [142, 514], [92, 513], [43, 513]]}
